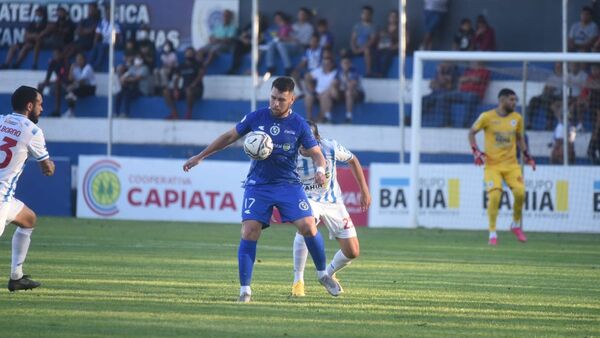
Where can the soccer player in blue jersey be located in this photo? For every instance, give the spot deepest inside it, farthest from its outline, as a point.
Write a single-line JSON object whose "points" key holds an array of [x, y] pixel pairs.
{"points": [[275, 182]]}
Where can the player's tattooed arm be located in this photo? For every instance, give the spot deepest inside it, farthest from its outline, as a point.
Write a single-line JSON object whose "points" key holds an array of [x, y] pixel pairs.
{"points": [[47, 167], [219, 143]]}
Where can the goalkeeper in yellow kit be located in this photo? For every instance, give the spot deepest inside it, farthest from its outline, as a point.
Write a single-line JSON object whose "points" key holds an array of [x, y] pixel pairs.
{"points": [[503, 130]]}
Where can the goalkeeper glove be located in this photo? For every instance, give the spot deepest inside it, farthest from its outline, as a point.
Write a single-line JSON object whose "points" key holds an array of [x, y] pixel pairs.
{"points": [[478, 155], [529, 159]]}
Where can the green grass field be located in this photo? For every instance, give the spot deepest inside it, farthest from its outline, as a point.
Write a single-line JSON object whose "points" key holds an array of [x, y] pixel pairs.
{"points": [[154, 279]]}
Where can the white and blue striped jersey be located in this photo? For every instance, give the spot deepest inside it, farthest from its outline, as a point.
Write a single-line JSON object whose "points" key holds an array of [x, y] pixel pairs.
{"points": [[330, 192], [19, 138]]}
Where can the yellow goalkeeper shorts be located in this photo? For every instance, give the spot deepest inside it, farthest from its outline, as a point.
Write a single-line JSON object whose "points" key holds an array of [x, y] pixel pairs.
{"points": [[494, 175]]}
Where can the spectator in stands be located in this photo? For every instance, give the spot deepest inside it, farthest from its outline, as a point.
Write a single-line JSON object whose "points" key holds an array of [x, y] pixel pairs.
{"points": [[281, 33], [168, 66], [187, 81], [310, 61], [387, 46], [364, 38], [433, 14], [146, 47], [59, 67], [463, 39], [576, 80], [551, 93], [56, 35], [85, 32], [242, 45], [128, 55], [556, 155], [485, 37], [221, 38], [472, 86], [584, 33], [325, 36], [596, 46], [32, 39], [295, 42], [590, 97], [349, 87], [320, 85], [82, 83], [443, 83], [136, 81], [98, 56]]}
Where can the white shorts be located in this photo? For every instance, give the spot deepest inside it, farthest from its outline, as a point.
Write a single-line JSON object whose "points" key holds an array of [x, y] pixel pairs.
{"points": [[335, 217], [9, 211]]}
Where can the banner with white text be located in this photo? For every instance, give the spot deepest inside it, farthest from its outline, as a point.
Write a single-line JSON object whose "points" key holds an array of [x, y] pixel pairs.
{"points": [[159, 189], [557, 199]]}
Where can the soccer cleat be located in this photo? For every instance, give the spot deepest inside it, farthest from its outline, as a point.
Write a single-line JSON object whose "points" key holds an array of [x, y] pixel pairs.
{"points": [[334, 277], [22, 284], [245, 298], [519, 233], [331, 285], [298, 289], [493, 241]]}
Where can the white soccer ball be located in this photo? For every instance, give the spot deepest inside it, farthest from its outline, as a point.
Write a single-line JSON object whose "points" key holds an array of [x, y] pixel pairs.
{"points": [[258, 145]]}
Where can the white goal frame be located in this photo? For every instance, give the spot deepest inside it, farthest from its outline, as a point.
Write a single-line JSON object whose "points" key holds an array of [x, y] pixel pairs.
{"points": [[417, 95]]}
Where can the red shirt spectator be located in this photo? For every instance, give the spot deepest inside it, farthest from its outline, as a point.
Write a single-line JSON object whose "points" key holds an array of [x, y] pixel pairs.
{"points": [[475, 79], [485, 37]]}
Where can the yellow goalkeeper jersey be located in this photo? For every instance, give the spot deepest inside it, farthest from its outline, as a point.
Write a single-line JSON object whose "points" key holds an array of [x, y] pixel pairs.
{"points": [[500, 136]]}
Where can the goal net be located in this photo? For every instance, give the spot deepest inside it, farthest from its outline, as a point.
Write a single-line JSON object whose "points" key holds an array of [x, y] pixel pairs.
{"points": [[441, 187]]}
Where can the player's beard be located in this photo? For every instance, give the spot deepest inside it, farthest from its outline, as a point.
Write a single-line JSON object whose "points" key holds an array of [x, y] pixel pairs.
{"points": [[33, 118]]}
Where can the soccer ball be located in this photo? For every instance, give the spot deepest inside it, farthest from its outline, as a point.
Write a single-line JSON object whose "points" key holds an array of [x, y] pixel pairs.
{"points": [[258, 145]]}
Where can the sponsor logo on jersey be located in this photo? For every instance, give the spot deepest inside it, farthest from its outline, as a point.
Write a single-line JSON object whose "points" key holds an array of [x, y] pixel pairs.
{"points": [[102, 187], [513, 123], [289, 132], [261, 128], [274, 130]]}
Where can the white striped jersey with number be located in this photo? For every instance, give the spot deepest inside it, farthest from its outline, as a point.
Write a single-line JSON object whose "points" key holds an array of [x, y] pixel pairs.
{"points": [[19, 138], [329, 192]]}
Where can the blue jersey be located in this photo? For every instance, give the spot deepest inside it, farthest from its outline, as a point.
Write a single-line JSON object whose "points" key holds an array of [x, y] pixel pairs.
{"points": [[287, 134]]}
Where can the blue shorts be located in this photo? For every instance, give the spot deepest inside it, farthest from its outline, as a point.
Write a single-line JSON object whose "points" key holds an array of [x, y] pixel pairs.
{"points": [[433, 19], [289, 199]]}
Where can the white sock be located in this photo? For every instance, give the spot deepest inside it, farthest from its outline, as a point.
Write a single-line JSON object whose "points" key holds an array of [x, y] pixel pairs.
{"points": [[245, 290], [493, 234], [328, 115], [20, 246], [321, 274], [515, 224], [300, 253], [338, 262], [348, 114]]}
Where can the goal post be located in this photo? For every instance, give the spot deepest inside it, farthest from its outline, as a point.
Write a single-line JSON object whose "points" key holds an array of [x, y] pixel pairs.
{"points": [[524, 73]]}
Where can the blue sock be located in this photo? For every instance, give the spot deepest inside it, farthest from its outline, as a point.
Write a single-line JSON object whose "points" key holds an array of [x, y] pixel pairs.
{"points": [[246, 256], [316, 247]]}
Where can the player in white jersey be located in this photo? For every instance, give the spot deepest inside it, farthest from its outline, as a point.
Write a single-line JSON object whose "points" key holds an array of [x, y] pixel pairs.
{"points": [[328, 207], [20, 138]]}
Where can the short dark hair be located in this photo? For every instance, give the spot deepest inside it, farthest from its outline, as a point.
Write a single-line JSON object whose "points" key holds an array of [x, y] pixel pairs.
{"points": [[22, 96], [368, 8], [322, 22], [587, 9], [314, 129], [506, 92], [284, 84], [464, 21]]}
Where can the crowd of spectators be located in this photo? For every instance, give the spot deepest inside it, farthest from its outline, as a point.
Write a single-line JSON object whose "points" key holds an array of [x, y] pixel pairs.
{"points": [[325, 73]]}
